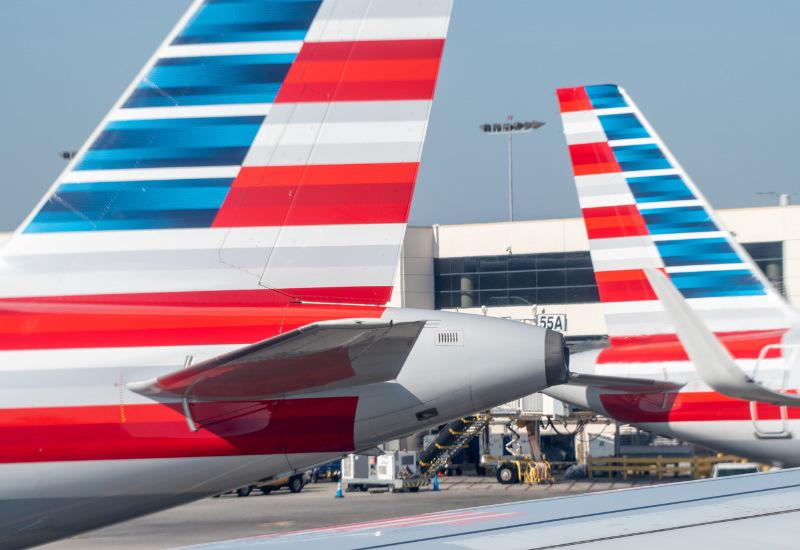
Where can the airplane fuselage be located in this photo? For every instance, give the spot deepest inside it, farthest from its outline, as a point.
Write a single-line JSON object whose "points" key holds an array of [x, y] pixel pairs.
{"points": [[696, 413], [81, 450]]}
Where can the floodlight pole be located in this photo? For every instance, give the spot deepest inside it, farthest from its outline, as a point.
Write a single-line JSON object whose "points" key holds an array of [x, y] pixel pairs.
{"points": [[510, 128], [510, 174]]}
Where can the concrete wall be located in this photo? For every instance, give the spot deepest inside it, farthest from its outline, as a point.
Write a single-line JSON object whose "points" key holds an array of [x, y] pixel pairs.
{"points": [[413, 280]]}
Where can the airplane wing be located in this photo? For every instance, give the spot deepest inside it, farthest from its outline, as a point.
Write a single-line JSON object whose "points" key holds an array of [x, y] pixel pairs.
{"points": [[747, 511], [713, 362], [621, 383], [320, 356]]}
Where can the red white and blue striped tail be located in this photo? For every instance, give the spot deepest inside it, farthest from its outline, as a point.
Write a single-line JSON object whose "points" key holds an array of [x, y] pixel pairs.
{"points": [[642, 210], [267, 151]]}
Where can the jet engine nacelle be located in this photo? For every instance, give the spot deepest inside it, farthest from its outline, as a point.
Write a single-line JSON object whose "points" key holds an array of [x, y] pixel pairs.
{"points": [[460, 364]]}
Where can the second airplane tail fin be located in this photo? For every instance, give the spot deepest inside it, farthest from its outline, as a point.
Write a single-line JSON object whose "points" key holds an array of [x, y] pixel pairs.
{"points": [[642, 210]]}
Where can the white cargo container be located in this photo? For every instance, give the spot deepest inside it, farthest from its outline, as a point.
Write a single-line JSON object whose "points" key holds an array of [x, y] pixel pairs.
{"points": [[395, 471]]}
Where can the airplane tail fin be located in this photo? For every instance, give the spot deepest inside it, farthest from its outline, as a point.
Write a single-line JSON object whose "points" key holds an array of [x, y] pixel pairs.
{"points": [[641, 210], [268, 150]]}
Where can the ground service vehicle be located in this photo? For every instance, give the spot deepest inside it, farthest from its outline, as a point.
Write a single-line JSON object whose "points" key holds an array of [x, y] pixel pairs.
{"points": [[294, 483]]}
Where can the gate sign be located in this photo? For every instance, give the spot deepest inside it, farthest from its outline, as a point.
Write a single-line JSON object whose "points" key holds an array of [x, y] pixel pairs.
{"points": [[553, 321]]}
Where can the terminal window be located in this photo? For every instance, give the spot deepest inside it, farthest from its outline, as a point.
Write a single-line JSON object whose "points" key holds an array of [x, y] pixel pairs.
{"points": [[552, 278], [769, 258]]}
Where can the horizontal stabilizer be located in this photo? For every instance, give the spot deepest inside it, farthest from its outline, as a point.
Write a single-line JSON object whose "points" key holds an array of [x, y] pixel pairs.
{"points": [[621, 383], [713, 362], [320, 356]]}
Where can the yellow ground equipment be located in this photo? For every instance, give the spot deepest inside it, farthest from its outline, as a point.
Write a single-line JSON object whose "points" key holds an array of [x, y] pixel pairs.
{"points": [[521, 469]]}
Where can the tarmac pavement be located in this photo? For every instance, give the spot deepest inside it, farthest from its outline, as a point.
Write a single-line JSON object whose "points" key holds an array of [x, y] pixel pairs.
{"points": [[229, 517]]}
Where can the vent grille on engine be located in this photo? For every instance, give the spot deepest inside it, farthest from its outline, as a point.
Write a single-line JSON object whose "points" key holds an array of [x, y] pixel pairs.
{"points": [[450, 338]]}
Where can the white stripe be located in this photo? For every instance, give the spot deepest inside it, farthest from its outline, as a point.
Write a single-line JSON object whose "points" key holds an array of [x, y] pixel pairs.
{"points": [[380, 20], [685, 236], [195, 111], [614, 111], [600, 180], [632, 141], [720, 315], [631, 257], [650, 173], [144, 174], [606, 187], [341, 133], [706, 267], [578, 122], [202, 239], [167, 358], [586, 137], [736, 303], [388, 131], [668, 204], [657, 322], [201, 259], [582, 127], [628, 263], [231, 48], [620, 242], [624, 199], [656, 370], [342, 235], [396, 28], [91, 376], [360, 267]]}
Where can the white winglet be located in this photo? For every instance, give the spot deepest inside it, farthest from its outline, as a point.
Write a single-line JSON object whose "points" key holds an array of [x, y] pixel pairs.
{"points": [[714, 364]]}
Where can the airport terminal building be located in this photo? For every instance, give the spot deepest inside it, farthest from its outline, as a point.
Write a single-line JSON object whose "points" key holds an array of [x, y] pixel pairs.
{"points": [[528, 269]]}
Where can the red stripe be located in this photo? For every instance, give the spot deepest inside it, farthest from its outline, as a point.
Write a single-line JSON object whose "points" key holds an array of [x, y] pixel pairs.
{"points": [[363, 71], [622, 220], [593, 158], [573, 99], [215, 298], [686, 407], [365, 295], [118, 432], [626, 285], [666, 347], [53, 326], [378, 90], [371, 50], [319, 195]]}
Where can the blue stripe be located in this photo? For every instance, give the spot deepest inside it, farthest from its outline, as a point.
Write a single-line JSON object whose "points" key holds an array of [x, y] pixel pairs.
{"points": [[659, 188], [686, 219], [213, 80], [697, 252], [249, 21], [115, 205], [715, 284], [640, 157], [625, 126], [605, 96], [216, 141]]}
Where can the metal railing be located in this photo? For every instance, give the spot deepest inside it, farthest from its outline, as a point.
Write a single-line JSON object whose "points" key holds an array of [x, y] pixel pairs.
{"points": [[658, 467]]}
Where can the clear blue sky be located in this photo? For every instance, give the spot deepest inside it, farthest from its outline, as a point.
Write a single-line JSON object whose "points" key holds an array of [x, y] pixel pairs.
{"points": [[719, 80]]}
